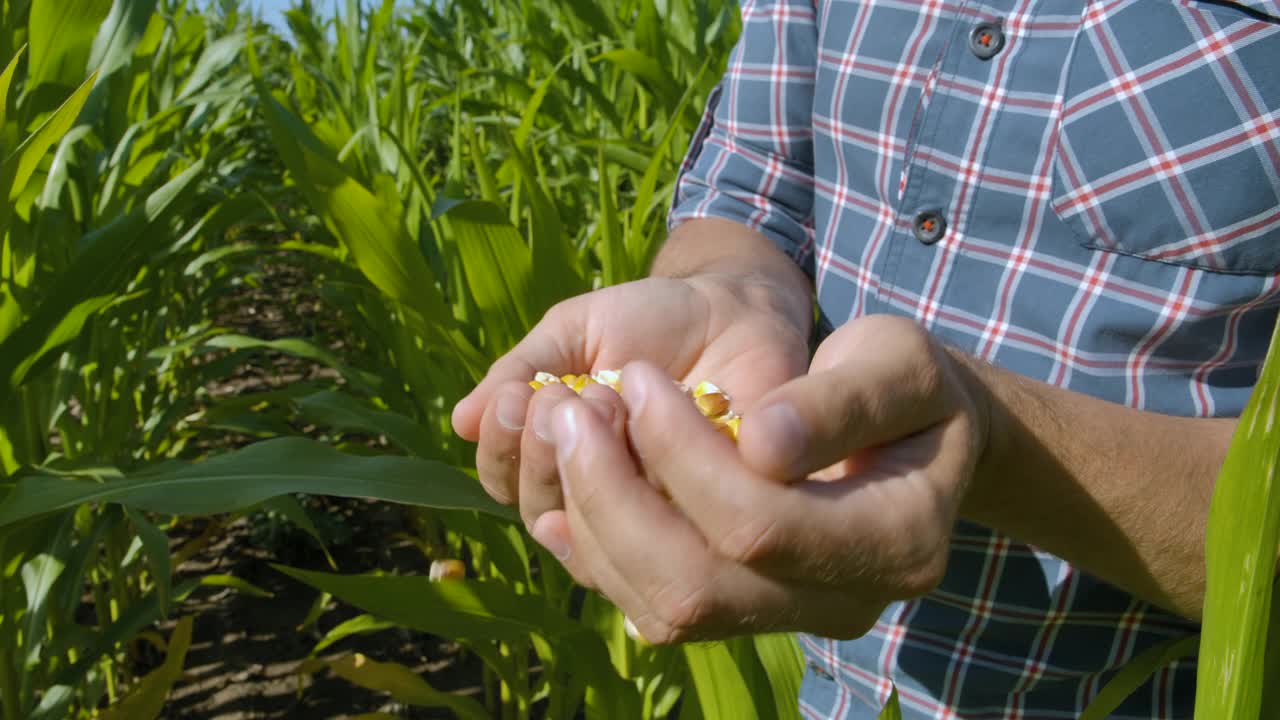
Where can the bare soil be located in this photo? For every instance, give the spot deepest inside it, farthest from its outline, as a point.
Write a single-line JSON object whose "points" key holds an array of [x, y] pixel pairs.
{"points": [[246, 650]]}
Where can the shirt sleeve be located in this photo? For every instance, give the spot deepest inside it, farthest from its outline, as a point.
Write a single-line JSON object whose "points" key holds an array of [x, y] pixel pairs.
{"points": [[751, 159]]}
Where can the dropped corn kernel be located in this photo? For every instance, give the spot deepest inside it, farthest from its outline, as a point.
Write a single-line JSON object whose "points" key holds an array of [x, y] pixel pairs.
{"points": [[711, 401], [447, 570]]}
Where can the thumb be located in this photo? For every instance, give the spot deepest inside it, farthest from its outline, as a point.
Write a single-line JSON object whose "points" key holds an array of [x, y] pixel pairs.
{"points": [[874, 381]]}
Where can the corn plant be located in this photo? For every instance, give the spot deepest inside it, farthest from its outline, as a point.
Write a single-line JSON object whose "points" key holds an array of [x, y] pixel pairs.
{"points": [[119, 142]]}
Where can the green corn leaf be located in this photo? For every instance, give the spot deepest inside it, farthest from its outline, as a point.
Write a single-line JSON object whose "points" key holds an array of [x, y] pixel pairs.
{"points": [[375, 237], [1135, 673], [238, 480], [6, 81], [474, 610], [722, 691], [640, 247], [133, 620], [357, 625], [499, 268], [156, 544], [648, 69], [235, 583], [342, 411], [360, 379], [107, 258], [215, 59], [60, 33], [612, 248], [1242, 540], [290, 509], [555, 273], [783, 662], [119, 35], [892, 710], [22, 164]]}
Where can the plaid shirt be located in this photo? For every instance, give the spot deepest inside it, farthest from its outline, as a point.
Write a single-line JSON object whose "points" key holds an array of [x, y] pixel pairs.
{"points": [[1103, 181]]}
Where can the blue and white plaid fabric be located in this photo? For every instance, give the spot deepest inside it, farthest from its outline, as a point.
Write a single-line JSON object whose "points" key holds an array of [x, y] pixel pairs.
{"points": [[1110, 185]]}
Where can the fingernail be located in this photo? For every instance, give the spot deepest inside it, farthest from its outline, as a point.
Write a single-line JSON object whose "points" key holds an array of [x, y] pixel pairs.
{"points": [[785, 430], [634, 393], [542, 423], [567, 429], [511, 409], [548, 538]]}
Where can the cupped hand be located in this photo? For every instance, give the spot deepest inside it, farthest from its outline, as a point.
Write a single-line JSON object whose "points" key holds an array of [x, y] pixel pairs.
{"points": [[733, 330], [839, 498]]}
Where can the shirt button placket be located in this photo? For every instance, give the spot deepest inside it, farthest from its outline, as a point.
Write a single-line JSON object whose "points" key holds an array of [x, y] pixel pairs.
{"points": [[986, 40]]}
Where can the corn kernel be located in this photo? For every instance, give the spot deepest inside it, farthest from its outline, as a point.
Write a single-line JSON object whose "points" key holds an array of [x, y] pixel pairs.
{"points": [[449, 569], [712, 404], [612, 378], [705, 388], [729, 428], [711, 401]]}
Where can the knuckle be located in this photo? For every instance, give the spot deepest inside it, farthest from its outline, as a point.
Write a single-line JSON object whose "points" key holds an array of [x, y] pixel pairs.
{"points": [[750, 543], [681, 608]]}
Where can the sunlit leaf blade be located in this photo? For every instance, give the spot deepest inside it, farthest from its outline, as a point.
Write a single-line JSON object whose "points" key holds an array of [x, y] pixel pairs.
{"points": [[21, 165], [1242, 541], [892, 710], [60, 34], [1135, 673], [355, 626], [156, 545], [398, 681], [722, 692], [474, 610], [783, 662], [146, 700], [498, 266], [238, 480]]}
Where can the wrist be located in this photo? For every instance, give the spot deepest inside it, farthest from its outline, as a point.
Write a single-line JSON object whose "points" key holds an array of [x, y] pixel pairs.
{"points": [[990, 437], [731, 255]]}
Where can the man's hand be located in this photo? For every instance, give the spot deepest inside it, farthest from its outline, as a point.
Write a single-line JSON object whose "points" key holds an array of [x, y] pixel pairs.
{"points": [[839, 498], [737, 330]]}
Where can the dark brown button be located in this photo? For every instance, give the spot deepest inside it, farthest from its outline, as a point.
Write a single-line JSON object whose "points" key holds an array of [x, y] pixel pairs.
{"points": [[986, 40], [929, 225]]}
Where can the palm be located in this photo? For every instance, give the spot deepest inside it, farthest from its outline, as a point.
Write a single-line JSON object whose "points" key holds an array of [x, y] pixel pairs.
{"points": [[695, 333]]}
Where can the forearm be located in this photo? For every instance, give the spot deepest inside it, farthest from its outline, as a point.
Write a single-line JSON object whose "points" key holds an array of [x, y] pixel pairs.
{"points": [[718, 246], [1121, 493]]}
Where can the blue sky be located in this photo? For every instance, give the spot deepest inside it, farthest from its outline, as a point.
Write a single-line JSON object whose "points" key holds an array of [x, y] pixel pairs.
{"points": [[272, 10]]}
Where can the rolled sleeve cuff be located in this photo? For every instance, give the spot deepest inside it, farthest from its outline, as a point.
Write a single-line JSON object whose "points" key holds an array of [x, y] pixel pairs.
{"points": [[724, 177]]}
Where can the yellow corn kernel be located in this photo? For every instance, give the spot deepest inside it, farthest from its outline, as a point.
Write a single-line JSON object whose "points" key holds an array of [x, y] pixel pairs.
{"points": [[705, 388], [612, 378], [712, 404], [729, 428], [449, 569], [711, 401]]}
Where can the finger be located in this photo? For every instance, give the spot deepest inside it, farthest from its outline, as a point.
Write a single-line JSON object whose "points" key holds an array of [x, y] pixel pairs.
{"points": [[654, 564], [734, 508], [552, 531], [871, 382], [501, 428], [547, 347], [539, 480]]}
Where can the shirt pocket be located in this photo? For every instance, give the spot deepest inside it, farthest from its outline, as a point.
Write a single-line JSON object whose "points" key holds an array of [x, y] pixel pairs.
{"points": [[1168, 142]]}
